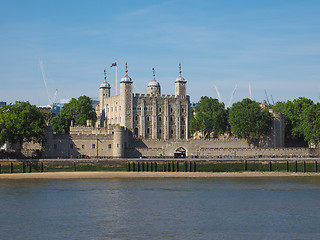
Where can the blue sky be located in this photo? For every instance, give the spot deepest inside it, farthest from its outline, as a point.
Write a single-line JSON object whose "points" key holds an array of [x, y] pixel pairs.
{"points": [[270, 44]]}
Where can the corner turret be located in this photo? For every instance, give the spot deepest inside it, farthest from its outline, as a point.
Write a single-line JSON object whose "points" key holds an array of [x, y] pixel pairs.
{"points": [[153, 86], [180, 85]]}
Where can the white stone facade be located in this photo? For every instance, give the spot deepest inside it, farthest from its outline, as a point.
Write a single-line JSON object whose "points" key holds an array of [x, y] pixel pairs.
{"points": [[148, 116]]}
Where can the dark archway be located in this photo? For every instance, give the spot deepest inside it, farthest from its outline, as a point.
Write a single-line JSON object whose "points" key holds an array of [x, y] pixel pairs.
{"points": [[180, 153], [135, 132]]}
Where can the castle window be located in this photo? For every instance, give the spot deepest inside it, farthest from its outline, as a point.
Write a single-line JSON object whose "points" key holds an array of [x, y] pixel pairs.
{"points": [[171, 119], [136, 118], [160, 119], [160, 109], [182, 132], [182, 119], [83, 146], [171, 131], [148, 118], [160, 131], [182, 109], [109, 145], [148, 130], [171, 110], [93, 146]]}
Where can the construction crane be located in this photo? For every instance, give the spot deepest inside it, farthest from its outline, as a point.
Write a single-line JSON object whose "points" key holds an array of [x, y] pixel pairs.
{"points": [[218, 93], [234, 91], [272, 99], [137, 88], [51, 100], [265, 91]]}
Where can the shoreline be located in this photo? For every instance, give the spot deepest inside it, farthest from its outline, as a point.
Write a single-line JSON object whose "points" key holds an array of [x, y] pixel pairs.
{"points": [[109, 175]]}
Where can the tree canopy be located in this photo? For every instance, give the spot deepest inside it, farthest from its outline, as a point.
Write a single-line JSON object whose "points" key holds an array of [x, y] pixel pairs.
{"points": [[311, 124], [293, 116], [210, 117], [249, 120], [77, 110], [21, 122]]}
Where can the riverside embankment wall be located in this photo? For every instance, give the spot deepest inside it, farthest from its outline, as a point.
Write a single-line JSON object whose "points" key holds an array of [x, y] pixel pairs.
{"points": [[211, 148]]}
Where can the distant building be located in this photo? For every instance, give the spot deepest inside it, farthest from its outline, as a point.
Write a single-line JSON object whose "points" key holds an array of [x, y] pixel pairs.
{"points": [[3, 103]]}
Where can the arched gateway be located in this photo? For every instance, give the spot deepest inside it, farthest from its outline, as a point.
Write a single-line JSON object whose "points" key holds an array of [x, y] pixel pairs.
{"points": [[180, 152]]}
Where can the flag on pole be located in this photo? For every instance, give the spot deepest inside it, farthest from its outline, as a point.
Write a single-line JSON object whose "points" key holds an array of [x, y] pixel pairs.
{"points": [[113, 64]]}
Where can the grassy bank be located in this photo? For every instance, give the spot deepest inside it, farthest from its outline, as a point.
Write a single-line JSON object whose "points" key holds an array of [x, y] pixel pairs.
{"points": [[161, 166]]}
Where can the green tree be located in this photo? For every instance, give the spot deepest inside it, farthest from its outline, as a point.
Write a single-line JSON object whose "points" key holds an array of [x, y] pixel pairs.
{"points": [[77, 110], [311, 124], [249, 120], [21, 122], [210, 117], [293, 116]]}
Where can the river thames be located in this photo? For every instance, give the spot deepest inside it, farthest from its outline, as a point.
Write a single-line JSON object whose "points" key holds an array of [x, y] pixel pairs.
{"points": [[200, 208]]}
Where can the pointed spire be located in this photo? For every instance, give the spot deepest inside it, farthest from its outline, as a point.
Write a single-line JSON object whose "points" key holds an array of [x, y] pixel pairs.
{"points": [[179, 68], [154, 72], [126, 68]]}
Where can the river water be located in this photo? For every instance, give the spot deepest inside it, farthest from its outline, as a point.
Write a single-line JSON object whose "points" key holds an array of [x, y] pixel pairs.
{"points": [[206, 208]]}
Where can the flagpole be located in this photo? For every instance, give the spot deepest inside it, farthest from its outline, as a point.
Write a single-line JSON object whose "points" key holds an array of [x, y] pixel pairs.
{"points": [[116, 77]]}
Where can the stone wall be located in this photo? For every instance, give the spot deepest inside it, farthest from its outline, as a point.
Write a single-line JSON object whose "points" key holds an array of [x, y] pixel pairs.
{"points": [[210, 148]]}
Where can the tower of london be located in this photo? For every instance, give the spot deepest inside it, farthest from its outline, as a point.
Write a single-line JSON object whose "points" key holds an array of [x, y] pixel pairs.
{"points": [[148, 116]]}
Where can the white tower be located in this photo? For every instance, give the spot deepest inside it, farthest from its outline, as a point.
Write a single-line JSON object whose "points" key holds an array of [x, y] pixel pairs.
{"points": [[180, 85], [104, 93], [126, 101]]}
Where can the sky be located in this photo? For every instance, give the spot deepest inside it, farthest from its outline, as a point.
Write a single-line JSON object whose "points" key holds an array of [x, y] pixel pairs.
{"points": [[273, 45]]}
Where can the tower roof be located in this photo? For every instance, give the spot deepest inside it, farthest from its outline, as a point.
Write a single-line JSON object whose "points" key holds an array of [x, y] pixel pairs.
{"points": [[105, 84], [180, 78], [126, 78], [154, 82]]}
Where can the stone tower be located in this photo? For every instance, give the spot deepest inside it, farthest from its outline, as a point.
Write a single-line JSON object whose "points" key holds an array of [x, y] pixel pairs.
{"points": [[180, 85], [153, 86], [126, 101], [104, 93]]}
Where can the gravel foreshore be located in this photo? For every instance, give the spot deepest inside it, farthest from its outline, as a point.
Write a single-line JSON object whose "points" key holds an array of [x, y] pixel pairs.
{"points": [[95, 175]]}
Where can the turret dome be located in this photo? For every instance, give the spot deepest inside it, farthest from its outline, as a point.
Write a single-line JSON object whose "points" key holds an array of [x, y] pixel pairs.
{"points": [[153, 83], [105, 85], [126, 78]]}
